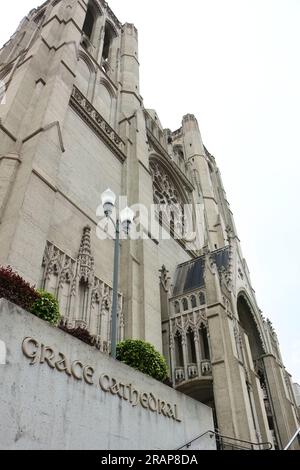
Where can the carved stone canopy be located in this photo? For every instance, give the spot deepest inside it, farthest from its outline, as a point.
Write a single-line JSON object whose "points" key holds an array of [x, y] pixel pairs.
{"points": [[85, 258]]}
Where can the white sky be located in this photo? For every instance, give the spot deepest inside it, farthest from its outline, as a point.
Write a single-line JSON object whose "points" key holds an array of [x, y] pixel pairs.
{"points": [[235, 65]]}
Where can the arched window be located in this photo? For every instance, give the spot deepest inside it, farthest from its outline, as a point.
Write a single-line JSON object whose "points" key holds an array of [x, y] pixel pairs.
{"points": [[204, 343], [91, 28], [83, 298], [177, 307], [89, 22], [193, 301], [202, 298], [185, 304], [109, 36], [169, 199], [178, 350], [247, 321], [191, 350]]}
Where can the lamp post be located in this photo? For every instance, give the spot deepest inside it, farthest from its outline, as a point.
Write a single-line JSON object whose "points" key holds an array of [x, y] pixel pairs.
{"points": [[124, 220]]}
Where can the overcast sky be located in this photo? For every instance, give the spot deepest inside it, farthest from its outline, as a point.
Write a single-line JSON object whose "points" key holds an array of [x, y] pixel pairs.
{"points": [[235, 65]]}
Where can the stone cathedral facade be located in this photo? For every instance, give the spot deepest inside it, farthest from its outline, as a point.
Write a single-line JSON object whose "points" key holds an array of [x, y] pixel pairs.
{"points": [[73, 124]]}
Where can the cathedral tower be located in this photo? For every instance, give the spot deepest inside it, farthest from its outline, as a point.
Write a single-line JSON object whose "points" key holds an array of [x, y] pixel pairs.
{"points": [[73, 124]]}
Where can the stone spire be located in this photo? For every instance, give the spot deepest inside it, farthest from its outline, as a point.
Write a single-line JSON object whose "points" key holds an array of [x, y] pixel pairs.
{"points": [[85, 258]]}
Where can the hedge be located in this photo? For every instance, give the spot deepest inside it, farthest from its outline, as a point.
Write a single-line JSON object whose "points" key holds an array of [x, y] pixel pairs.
{"points": [[15, 289], [143, 357]]}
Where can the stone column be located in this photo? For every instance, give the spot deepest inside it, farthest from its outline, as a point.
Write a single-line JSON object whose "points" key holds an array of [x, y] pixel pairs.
{"points": [[198, 161], [38, 99], [285, 420], [198, 351], [265, 433]]}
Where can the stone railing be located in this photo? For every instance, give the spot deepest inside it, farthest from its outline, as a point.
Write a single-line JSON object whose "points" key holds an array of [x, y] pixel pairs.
{"points": [[179, 374], [206, 368], [193, 371]]}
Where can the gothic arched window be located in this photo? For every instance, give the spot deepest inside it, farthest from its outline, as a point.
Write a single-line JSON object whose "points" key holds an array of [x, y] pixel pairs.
{"points": [[83, 298], [185, 304], [202, 298], [204, 343], [191, 349], [193, 301], [177, 307], [178, 350], [168, 199], [109, 36], [89, 22], [90, 26]]}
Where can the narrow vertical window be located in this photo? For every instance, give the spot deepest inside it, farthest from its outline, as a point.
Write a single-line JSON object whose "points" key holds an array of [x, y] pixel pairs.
{"points": [[191, 350], [89, 22], [109, 37], [178, 350], [193, 301]]}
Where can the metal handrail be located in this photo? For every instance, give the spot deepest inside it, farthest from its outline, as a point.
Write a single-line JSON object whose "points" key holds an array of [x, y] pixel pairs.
{"points": [[196, 439], [297, 433], [220, 436]]}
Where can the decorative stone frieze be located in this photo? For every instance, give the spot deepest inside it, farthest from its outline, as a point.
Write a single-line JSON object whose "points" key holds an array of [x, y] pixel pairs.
{"points": [[97, 123]]}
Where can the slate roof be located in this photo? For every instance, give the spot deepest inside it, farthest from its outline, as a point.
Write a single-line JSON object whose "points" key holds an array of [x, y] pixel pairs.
{"points": [[190, 275]]}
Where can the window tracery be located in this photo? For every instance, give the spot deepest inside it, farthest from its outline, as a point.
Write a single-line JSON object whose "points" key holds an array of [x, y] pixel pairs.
{"points": [[167, 198]]}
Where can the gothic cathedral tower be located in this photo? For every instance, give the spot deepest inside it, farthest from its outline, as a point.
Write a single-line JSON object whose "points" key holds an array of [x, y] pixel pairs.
{"points": [[72, 124]]}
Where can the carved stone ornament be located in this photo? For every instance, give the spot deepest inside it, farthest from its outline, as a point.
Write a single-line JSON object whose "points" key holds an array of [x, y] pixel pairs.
{"points": [[165, 279], [97, 123], [167, 197], [85, 300]]}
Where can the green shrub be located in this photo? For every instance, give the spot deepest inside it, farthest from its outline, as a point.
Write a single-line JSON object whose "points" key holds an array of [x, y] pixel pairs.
{"points": [[46, 307], [143, 357]]}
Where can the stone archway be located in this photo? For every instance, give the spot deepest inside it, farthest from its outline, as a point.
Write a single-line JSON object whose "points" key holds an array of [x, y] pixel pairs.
{"points": [[257, 386], [250, 327]]}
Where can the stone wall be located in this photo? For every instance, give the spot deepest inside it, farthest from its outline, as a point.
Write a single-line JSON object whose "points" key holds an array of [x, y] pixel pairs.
{"points": [[51, 396]]}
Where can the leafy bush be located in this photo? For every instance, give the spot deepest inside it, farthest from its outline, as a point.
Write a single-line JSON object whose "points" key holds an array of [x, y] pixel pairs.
{"points": [[46, 307], [15, 289], [80, 333], [143, 357]]}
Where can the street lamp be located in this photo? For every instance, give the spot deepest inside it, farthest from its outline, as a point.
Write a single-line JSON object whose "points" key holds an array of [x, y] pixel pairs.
{"points": [[125, 219]]}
